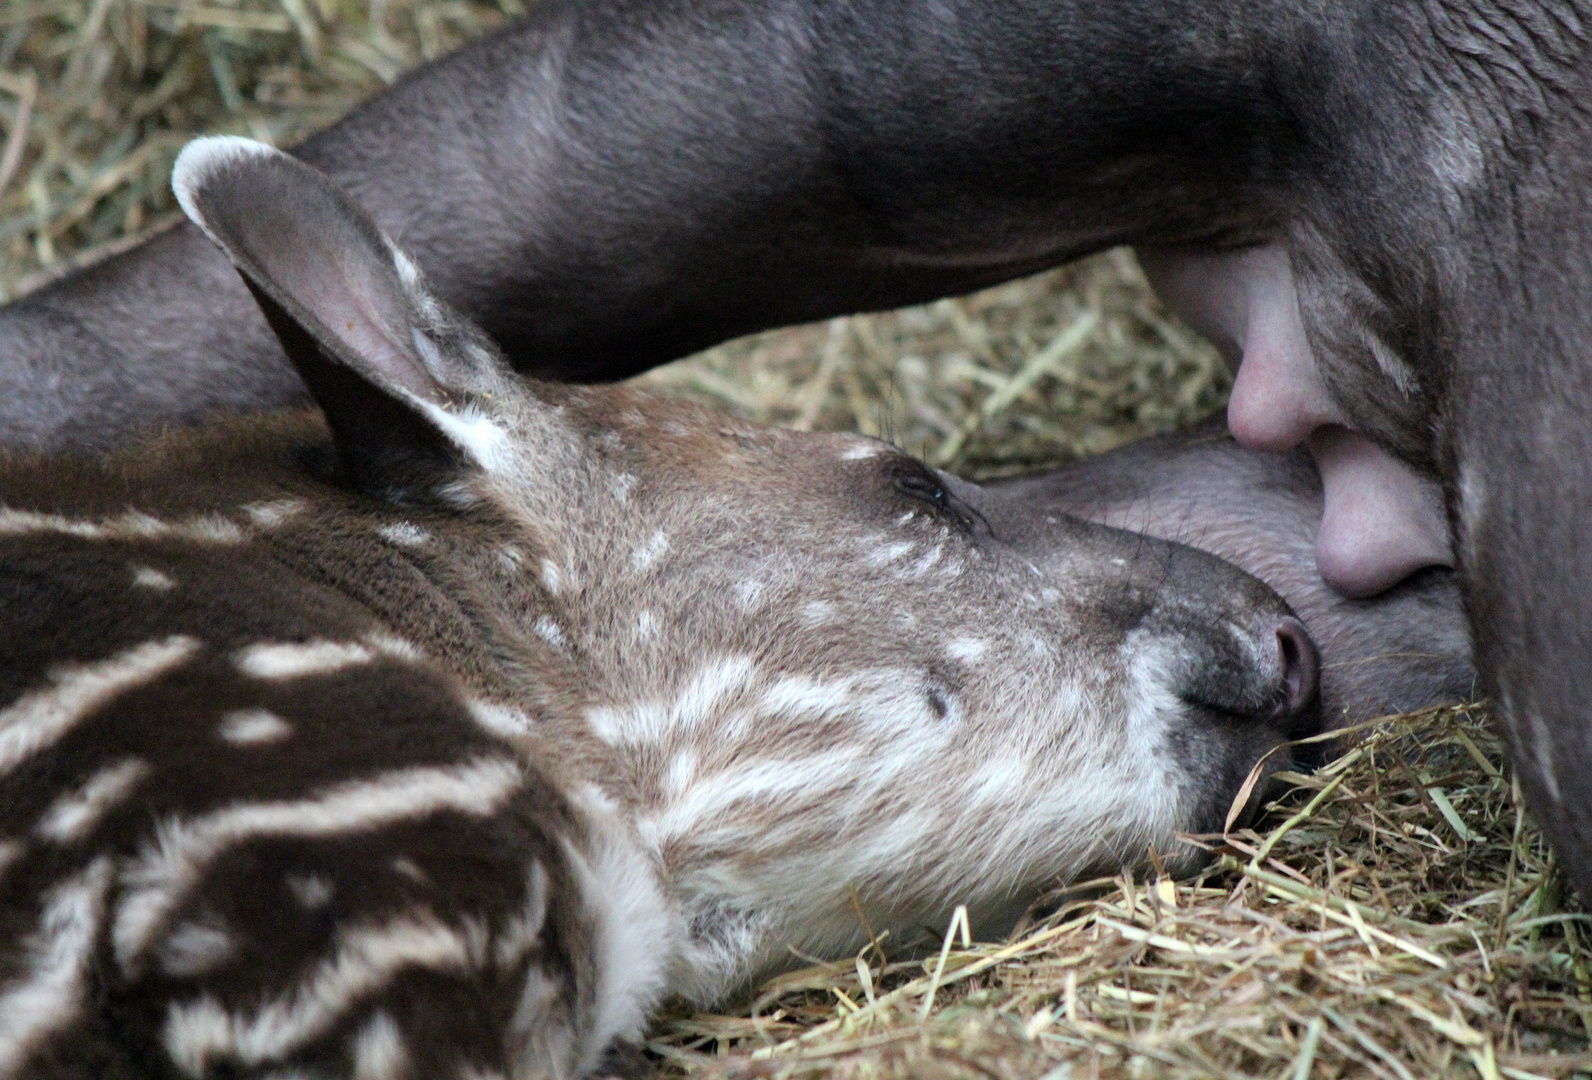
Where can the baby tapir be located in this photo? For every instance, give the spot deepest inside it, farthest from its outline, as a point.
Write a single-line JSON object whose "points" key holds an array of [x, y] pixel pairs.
{"points": [[1401, 650], [444, 736]]}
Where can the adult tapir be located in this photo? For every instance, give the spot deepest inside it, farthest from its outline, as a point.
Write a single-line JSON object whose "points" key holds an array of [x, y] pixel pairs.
{"points": [[1382, 207]]}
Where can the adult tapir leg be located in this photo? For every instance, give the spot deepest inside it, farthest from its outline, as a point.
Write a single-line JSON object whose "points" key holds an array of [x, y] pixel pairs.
{"points": [[1517, 438], [612, 183]]}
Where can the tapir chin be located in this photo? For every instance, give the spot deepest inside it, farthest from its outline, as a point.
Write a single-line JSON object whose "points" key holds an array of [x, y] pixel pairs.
{"points": [[444, 731]]}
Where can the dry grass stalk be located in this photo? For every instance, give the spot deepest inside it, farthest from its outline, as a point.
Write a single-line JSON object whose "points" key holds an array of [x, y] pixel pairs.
{"points": [[97, 97], [1395, 917]]}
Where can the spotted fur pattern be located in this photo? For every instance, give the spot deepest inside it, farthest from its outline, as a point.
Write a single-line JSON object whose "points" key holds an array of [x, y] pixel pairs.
{"points": [[445, 735]]}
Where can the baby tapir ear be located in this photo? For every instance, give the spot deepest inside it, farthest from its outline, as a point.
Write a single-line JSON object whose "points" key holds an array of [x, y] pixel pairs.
{"points": [[386, 361]]}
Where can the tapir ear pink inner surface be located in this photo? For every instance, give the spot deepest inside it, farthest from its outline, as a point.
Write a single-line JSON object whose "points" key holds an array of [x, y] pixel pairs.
{"points": [[343, 307], [298, 238]]}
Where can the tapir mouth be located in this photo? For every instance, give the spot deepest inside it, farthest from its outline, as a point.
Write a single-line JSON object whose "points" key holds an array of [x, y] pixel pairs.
{"points": [[1250, 703]]}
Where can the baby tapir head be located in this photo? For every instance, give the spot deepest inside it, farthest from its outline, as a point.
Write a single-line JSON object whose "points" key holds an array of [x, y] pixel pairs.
{"points": [[808, 669]]}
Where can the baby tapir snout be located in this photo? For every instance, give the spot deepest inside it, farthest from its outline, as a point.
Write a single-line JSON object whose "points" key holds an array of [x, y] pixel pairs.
{"points": [[1240, 652], [1245, 667], [1195, 628]]}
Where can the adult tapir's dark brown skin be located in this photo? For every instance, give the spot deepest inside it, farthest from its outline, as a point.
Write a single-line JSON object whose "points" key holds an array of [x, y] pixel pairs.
{"points": [[615, 182], [1405, 649]]}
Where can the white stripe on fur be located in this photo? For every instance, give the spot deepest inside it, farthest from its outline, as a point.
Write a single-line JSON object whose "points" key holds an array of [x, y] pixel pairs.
{"points": [[292, 660], [158, 881], [251, 727], [48, 996], [367, 959], [75, 814], [379, 1052], [133, 525], [40, 718]]}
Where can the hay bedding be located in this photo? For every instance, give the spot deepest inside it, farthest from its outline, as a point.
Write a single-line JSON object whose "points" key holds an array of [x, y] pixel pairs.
{"points": [[1395, 916]]}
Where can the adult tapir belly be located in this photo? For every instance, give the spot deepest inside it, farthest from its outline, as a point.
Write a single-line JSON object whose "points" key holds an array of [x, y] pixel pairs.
{"points": [[1404, 649]]}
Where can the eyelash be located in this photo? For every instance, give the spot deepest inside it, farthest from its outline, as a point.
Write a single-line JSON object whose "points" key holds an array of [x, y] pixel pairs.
{"points": [[914, 480]]}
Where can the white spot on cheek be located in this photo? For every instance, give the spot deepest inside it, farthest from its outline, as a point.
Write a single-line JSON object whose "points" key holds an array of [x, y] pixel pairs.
{"points": [[550, 631], [1049, 595], [682, 770], [747, 592], [806, 695], [704, 695], [149, 578], [926, 563], [251, 727], [817, 613], [646, 625], [622, 486], [649, 553], [551, 578], [404, 534], [967, 648], [890, 552]]}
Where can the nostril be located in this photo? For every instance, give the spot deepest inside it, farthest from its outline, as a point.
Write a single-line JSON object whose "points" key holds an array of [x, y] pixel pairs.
{"points": [[1301, 668]]}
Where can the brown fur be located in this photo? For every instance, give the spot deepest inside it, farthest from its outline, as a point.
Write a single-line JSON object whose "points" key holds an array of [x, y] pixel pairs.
{"points": [[457, 729]]}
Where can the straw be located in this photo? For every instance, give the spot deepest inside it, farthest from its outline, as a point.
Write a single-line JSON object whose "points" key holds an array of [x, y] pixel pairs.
{"points": [[1397, 915]]}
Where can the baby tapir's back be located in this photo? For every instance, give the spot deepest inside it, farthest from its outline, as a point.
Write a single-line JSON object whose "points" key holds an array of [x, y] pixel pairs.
{"points": [[245, 824]]}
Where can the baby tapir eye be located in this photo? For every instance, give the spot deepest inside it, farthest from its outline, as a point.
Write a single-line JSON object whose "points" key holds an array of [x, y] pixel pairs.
{"points": [[918, 482]]}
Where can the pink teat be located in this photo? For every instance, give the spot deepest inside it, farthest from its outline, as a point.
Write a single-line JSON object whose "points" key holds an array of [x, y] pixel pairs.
{"points": [[1382, 520]]}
